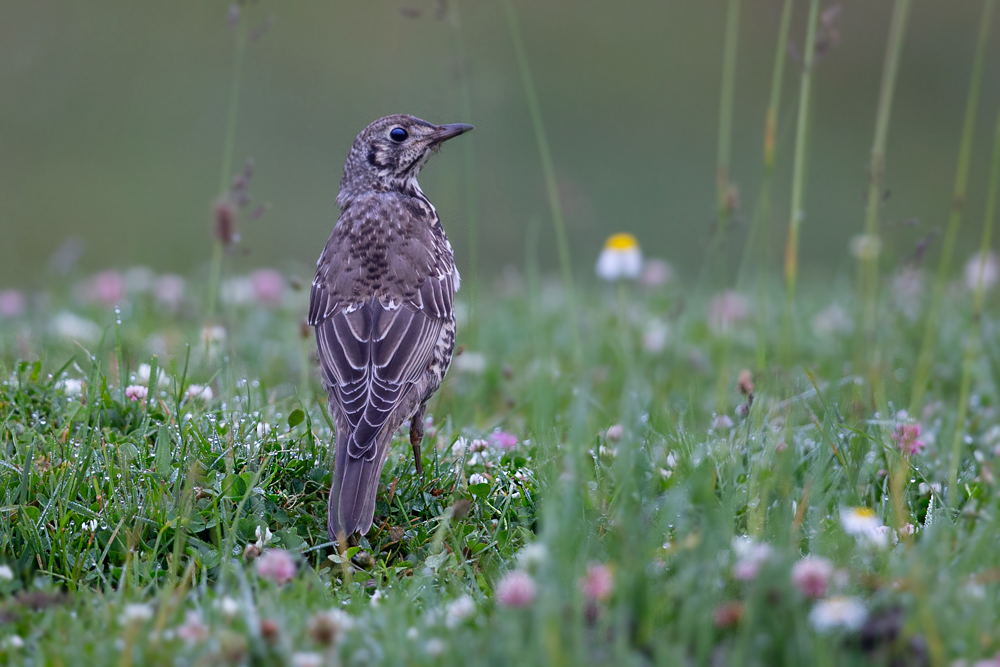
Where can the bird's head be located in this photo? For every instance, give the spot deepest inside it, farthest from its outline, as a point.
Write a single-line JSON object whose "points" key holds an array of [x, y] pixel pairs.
{"points": [[389, 153]]}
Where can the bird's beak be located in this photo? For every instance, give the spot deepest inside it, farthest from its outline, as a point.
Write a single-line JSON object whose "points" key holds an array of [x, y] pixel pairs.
{"points": [[446, 132]]}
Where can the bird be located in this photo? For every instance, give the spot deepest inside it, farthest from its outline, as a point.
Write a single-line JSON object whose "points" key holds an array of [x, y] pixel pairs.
{"points": [[383, 307]]}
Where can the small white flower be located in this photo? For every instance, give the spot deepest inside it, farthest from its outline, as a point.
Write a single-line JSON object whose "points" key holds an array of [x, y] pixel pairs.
{"points": [[459, 448], [136, 613], [229, 607], [750, 556], [90, 525], [654, 338], [479, 445], [864, 247], [477, 478], [532, 556], [376, 598], [71, 386], [263, 428], [459, 610], [976, 268], [434, 647], [199, 391], [213, 335], [263, 537], [864, 524], [470, 362], [307, 660], [840, 612], [6, 574], [13, 642], [142, 376], [74, 327], [412, 634], [621, 258]]}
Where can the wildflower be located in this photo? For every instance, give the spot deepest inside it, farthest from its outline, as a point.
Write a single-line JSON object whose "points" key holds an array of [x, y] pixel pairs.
{"points": [[434, 647], [831, 321], [532, 556], [193, 630], [199, 391], [136, 613], [251, 552], [229, 607], [270, 631], [865, 247], [263, 428], [213, 336], [304, 659], [656, 273], [725, 310], [906, 436], [745, 382], [376, 598], [864, 524], [325, 628], [750, 556], [982, 269], [268, 286], [11, 303], [263, 536], [723, 422], [598, 583], [168, 290], [108, 287], [237, 291], [136, 392], [907, 289], [276, 565], [412, 634], [459, 610], [73, 327], [839, 612], [6, 574], [614, 432], [479, 445], [728, 614], [621, 258], [13, 642], [477, 478], [142, 376], [459, 448], [516, 589], [811, 576], [470, 362], [503, 439], [71, 386], [655, 336]]}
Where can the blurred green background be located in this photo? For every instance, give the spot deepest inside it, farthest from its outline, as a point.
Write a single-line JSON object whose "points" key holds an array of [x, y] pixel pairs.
{"points": [[112, 117]]}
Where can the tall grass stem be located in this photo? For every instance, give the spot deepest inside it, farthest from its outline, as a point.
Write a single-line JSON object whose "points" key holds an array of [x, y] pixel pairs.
{"points": [[548, 171], [932, 321], [972, 344], [799, 177]]}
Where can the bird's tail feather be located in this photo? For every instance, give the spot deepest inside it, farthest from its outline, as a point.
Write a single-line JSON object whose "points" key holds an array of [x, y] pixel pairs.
{"points": [[355, 485]]}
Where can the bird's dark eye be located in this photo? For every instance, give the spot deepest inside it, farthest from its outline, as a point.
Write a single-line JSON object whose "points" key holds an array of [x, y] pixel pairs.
{"points": [[398, 134]]}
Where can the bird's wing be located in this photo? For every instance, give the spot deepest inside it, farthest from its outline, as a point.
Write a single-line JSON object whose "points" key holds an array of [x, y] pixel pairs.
{"points": [[376, 338]]}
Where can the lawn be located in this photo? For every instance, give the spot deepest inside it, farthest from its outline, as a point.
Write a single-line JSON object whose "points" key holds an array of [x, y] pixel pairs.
{"points": [[637, 492]]}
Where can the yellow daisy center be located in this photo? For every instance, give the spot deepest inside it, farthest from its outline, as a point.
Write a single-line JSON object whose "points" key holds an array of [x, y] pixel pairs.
{"points": [[621, 242], [864, 512]]}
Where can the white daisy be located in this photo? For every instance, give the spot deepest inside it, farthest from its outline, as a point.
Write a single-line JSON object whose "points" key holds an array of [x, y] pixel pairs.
{"points": [[621, 258], [840, 612]]}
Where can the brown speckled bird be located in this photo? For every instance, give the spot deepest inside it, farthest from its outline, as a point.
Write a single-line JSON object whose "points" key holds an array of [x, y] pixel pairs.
{"points": [[382, 303]]}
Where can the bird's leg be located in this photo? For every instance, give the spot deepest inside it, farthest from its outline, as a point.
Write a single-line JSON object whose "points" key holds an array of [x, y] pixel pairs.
{"points": [[416, 436]]}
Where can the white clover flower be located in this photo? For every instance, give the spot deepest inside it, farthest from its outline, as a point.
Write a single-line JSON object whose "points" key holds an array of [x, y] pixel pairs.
{"points": [[459, 610], [136, 613], [74, 327], [376, 598], [751, 555], [213, 335], [654, 338], [263, 428], [142, 376], [477, 478], [434, 647], [71, 386], [6, 574], [459, 448], [620, 259], [848, 613], [13, 642], [136, 392], [470, 362], [479, 445], [532, 556], [977, 269], [263, 537], [228, 606], [204, 392], [306, 659]]}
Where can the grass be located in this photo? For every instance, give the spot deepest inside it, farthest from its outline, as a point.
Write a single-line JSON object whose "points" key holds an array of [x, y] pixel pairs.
{"points": [[109, 502]]}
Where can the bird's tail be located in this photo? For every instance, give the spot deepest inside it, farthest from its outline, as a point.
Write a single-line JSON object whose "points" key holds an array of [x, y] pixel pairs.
{"points": [[355, 484]]}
